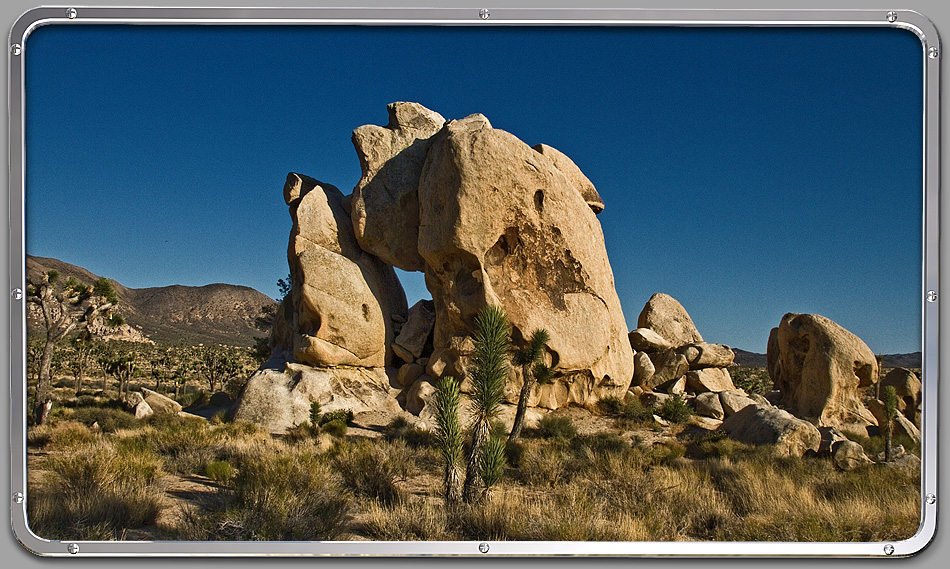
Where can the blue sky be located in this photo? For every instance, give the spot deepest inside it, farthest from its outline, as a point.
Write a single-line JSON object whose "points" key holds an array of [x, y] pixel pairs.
{"points": [[746, 172]]}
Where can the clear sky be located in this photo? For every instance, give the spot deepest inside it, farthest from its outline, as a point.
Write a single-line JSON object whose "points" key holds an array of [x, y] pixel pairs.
{"points": [[746, 172]]}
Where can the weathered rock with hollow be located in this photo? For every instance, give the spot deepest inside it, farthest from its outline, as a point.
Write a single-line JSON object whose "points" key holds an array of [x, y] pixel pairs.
{"points": [[501, 224], [822, 369]]}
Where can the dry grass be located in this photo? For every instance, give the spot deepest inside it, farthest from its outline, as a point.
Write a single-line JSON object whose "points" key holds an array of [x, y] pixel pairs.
{"points": [[582, 487]]}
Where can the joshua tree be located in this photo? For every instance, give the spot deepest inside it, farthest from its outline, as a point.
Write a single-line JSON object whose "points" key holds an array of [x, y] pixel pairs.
{"points": [[121, 366], [531, 360], [490, 370], [449, 436], [82, 348], [66, 308], [218, 365], [890, 412]]}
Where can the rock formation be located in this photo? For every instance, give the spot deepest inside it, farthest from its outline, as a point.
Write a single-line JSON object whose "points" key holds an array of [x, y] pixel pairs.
{"points": [[760, 425], [821, 370], [385, 208], [669, 341], [908, 389], [501, 224], [343, 299]]}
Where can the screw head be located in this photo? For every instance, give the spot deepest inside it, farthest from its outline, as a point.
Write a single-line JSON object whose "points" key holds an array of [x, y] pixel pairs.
{"points": [[892, 17], [933, 53], [931, 296], [483, 547], [16, 294], [888, 549], [484, 14], [73, 548], [18, 497], [931, 499], [71, 14], [16, 49]]}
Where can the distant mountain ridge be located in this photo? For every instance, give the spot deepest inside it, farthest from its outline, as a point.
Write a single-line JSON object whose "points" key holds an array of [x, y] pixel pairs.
{"points": [[211, 314], [912, 360]]}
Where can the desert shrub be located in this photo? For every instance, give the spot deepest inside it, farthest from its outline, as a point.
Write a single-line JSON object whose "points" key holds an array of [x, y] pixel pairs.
{"points": [[629, 410], [219, 471], [315, 413], [342, 415], [69, 434], [409, 521], [666, 453], [674, 409], [301, 432], [187, 445], [542, 464], [109, 419], [38, 437], [608, 443], [494, 520], [96, 493], [336, 428], [273, 498], [554, 426], [722, 447], [372, 470]]}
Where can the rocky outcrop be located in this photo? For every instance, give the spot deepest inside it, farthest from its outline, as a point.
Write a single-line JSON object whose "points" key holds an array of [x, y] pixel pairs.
{"points": [[279, 395], [679, 360], [821, 370], [574, 175], [760, 425], [848, 455], [343, 299], [385, 208], [159, 404], [667, 317], [708, 405], [501, 224]]}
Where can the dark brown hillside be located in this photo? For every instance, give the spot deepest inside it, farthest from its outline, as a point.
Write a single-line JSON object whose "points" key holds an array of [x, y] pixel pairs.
{"points": [[210, 314]]}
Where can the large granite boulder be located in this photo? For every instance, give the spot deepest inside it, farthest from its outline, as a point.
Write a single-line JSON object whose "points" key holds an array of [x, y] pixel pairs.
{"points": [[666, 316], [279, 395], [669, 365], [501, 224], [704, 355], [343, 299], [760, 425], [646, 340], [385, 209], [709, 379], [643, 369], [159, 404], [822, 370]]}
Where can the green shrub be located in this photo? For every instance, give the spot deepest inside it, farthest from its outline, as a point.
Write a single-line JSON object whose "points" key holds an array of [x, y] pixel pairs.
{"points": [[554, 426], [315, 414], [675, 409], [336, 428], [219, 471], [342, 415], [751, 379]]}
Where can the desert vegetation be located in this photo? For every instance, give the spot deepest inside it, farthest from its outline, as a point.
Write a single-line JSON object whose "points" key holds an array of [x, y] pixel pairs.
{"points": [[615, 475]]}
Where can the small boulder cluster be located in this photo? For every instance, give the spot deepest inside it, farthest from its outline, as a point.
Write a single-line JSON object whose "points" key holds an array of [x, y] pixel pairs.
{"points": [[671, 358]]}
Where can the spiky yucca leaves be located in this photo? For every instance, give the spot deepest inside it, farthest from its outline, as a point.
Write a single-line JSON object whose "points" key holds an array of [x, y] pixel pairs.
{"points": [[490, 370], [449, 436], [890, 411], [492, 464], [531, 360]]}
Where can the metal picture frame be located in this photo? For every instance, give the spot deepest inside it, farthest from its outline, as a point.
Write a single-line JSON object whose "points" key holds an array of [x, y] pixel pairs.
{"points": [[930, 295]]}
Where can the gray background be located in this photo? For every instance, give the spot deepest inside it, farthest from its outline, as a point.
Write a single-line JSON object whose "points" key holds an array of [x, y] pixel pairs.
{"points": [[936, 555]]}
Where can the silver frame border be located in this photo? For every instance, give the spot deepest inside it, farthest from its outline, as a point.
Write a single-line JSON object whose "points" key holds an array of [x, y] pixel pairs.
{"points": [[906, 19]]}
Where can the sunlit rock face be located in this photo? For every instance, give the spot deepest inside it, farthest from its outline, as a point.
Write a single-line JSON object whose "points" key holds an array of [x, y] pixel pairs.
{"points": [[501, 224]]}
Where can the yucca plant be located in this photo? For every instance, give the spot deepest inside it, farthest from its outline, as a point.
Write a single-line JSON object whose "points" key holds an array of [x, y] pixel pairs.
{"points": [[449, 436], [490, 370], [531, 360], [492, 464]]}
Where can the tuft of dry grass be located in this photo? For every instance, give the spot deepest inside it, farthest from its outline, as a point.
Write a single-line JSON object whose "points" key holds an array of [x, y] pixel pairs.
{"points": [[97, 492]]}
